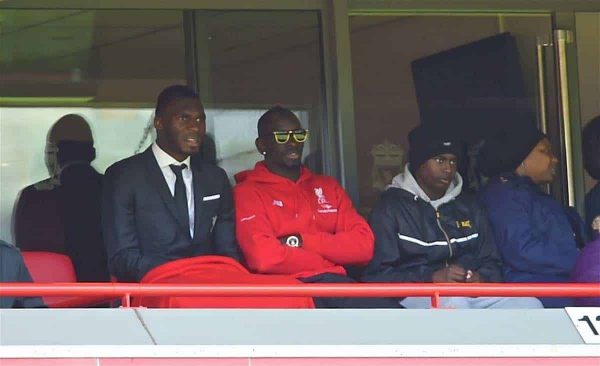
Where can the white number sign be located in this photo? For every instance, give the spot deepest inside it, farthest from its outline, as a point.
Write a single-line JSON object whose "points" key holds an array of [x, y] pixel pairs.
{"points": [[587, 322]]}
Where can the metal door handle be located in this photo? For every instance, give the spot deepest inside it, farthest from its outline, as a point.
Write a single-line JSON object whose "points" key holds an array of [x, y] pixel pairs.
{"points": [[564, 37]]}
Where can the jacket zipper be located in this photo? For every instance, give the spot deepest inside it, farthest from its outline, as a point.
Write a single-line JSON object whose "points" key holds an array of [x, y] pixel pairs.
{"points": [[439, 224]]}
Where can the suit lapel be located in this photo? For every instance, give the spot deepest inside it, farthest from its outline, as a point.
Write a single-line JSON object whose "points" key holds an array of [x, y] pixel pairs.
{"points": [[157, 180], [199, 193]]}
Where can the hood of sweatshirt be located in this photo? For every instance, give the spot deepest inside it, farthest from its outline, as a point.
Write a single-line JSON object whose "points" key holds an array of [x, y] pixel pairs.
{"points": [[407, 182], [261, 174]]}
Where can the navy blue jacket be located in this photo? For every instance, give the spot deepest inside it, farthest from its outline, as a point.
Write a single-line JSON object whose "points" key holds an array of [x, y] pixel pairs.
{"points": [[535, 234], [413, 239]]}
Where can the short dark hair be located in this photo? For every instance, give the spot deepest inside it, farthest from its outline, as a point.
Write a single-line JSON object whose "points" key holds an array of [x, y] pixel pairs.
{"points": [[171, 94], [591, 147], [69, 151], [274, 113]]}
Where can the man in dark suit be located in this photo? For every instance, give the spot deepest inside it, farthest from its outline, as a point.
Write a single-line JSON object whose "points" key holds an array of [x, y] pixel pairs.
{"points": [[62, 213], [158, 206], [38, 222], [79, 197]]}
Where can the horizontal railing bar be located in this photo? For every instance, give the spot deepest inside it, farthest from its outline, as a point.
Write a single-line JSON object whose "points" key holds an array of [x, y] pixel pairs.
{"points": [[297, 290]]}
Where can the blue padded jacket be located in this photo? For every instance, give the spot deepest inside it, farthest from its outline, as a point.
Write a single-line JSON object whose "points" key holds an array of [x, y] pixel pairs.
{"points": [[535, 235]]}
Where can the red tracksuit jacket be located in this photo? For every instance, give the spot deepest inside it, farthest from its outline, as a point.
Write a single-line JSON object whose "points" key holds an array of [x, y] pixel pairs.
{"points": [[269, 206]]}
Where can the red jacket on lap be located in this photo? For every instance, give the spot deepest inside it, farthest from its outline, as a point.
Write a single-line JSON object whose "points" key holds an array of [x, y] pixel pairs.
{"points": [[216, 270], [269, 206]]}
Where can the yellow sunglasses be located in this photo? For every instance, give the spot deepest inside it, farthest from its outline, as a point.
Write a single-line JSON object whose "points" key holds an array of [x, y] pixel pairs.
{"points": [[282, 137]]}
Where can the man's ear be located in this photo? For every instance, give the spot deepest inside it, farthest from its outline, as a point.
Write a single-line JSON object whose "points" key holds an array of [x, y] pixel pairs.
{"points": [[260, 145], [521, 169], [158, 123]]}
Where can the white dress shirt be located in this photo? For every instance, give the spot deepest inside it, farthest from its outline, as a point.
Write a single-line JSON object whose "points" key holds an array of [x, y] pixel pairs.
{"points": [[164, 160]]}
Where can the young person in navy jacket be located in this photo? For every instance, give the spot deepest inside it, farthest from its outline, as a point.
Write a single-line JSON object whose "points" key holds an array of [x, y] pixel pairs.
{"points": [[428, 230]]}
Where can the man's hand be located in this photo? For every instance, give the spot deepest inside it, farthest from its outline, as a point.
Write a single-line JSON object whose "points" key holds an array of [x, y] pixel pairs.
{"points": [[452, 273], [473, 277], [292, 240]]}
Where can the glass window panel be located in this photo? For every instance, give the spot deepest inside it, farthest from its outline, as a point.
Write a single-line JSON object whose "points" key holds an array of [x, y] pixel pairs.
{"points": [[105, 65], [250, 61], [588, 59], [108, 66], [23, 140], [386, 101], [104, 55]]}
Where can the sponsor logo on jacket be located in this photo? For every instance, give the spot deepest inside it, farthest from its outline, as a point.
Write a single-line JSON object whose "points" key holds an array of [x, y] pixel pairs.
{"points": [[322, 201]]}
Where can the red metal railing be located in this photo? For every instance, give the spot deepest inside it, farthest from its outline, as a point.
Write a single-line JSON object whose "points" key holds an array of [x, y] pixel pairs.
{"points": [[435, 291]]}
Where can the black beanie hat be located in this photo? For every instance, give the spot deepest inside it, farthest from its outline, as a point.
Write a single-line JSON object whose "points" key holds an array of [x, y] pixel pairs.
{"points": [[429, 140], [506, 149]]}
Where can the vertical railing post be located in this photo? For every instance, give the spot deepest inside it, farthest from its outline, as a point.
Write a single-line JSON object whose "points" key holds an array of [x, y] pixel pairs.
{"points": [[435, 300], [126, 301]]}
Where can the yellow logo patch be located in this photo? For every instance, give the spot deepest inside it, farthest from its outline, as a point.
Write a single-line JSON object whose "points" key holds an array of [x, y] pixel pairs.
{"points": [[463, 224]]}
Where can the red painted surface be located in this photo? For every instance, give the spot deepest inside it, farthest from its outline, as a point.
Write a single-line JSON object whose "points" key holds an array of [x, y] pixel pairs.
{"points": [[572, 361], [49, 362], [175, 362], [126, 290], [312, 289], [462, 361]]}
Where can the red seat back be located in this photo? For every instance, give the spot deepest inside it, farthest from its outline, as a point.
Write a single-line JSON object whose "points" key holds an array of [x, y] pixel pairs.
{"points": [[50, 267]]}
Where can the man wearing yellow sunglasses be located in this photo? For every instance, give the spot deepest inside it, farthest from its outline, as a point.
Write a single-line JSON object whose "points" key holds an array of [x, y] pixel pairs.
{"points": [[291, 221]]}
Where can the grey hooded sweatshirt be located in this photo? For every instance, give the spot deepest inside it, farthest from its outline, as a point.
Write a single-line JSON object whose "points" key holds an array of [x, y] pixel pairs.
{"points": [[415, 236]]}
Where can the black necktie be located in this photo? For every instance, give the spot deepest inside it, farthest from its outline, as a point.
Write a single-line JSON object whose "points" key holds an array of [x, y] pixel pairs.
{"points": [[181, 195]]}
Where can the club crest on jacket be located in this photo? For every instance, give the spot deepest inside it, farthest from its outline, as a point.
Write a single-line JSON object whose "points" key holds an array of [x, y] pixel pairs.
{"points": [[321, 199]]}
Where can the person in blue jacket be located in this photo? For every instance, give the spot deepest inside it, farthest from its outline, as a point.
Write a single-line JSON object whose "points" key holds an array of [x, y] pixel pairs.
{"points": [[591, 162], [536, 235]]}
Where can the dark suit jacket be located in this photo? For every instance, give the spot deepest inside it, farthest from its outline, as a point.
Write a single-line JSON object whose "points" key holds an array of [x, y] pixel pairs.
{"points": [[139, 219], [65, 219], [38, 220], [80, 192]]}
